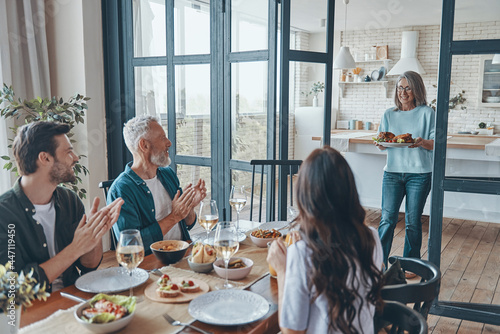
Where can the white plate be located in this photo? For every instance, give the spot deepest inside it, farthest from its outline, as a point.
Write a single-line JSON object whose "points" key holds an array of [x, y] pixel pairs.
{"points": [[228, 307], [201, 237], [111, 280], [375, 75], [385, 144]]}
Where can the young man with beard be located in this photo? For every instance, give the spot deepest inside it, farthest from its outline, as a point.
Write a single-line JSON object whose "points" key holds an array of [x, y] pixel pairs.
{"points": [[51, 233], [154, 202]]}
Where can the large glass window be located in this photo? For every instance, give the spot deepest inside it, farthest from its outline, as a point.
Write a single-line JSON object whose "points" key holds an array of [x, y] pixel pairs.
{"points": [[151, 92], [192, 27], [249, 25], [149, 28]]}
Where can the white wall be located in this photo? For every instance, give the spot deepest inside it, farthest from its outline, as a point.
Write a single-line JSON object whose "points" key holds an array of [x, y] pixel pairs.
{"points": [[368, 102], [74, 35]]}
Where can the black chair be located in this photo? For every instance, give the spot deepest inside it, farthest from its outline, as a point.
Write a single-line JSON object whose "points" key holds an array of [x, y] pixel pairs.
{"points": [[421, 294], [104, 185], [288, 168], [400, 318]]}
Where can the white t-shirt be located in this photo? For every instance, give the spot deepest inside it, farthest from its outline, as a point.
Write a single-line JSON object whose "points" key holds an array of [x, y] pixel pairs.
{"points": [[297, 311], [45, 214], [163, 206]]}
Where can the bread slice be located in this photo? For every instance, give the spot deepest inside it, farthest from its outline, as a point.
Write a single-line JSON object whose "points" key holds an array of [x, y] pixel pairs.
{"points": [[168, 291], [189, 287]]}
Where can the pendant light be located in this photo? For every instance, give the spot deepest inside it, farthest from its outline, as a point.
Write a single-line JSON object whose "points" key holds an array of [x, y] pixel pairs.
{"points": [[496, 59], [344, 58]]}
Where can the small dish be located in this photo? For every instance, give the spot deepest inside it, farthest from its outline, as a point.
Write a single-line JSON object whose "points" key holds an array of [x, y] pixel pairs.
{"points": [[262, 242], [474, 132], [169, 257], [375, 75], [233, 274], [201, 267]]}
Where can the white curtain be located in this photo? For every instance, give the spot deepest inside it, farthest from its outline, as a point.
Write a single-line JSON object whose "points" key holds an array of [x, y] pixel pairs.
{"points": [[24, 61]]}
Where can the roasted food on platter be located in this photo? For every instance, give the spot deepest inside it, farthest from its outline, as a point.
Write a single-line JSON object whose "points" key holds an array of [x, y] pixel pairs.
{"points": [[404, 138], [266, 233], [389, 137]]}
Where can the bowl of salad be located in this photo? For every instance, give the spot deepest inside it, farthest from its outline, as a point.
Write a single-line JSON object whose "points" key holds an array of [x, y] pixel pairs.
{"points": [[106, 314]]}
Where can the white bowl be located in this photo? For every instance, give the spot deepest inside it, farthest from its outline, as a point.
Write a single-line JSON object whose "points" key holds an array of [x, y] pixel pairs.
{"points": [[201, 267], [262, 242], [233, 274], [108, 327]]}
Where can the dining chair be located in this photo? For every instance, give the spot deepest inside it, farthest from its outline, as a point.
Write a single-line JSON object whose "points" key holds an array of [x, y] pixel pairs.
{"points": [[287, 168], [399, 318], [422, 294], [104, 185]]}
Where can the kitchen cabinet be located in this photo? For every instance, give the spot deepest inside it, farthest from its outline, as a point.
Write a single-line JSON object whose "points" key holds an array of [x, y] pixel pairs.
{"points": [[489, 82]]}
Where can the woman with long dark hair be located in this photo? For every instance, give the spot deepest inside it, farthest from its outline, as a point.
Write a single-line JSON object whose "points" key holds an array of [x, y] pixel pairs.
{"points": [[330, 280]]}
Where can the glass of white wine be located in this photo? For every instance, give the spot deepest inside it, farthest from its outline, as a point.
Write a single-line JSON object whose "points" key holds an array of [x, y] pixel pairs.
{"points": [[226, 244], [238, 200], [208, 216], [130, 252]]}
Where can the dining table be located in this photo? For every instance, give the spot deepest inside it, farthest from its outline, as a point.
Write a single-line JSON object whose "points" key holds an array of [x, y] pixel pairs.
{"points": [[261, 284]]}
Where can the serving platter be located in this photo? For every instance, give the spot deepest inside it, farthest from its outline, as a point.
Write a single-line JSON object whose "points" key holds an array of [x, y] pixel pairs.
{"points": [[111, 280], [183, 297], [228, 307], [386, 144]]}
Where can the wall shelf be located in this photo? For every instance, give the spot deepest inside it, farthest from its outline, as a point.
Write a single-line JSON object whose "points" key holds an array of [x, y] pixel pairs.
{"points": [[374, 61], [381, 82]]}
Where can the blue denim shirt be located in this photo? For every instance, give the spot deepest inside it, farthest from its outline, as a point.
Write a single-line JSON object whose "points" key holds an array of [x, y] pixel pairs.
{"points": [[138, 210]]}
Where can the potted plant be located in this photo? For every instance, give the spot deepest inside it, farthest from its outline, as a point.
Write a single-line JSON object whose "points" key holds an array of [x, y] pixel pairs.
{"points": [[16, 291], [316, 88], [52, 109]]}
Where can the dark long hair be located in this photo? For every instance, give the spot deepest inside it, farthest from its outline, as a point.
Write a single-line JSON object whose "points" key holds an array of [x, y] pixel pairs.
{"points": [[332, 222]]}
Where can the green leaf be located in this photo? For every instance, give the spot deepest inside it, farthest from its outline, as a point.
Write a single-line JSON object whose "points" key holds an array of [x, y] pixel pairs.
{"points": [[5, 157], [7, 166]]}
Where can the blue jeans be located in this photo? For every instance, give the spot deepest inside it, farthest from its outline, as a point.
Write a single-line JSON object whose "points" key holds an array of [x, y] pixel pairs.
{"points": [[395, 187]]}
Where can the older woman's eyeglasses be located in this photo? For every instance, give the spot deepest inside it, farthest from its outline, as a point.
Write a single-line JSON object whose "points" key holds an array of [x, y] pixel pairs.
{"points": [[406, 89]]}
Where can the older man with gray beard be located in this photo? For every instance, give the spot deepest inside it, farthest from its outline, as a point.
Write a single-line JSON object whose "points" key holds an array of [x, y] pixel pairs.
{"points": [[154, 202]]}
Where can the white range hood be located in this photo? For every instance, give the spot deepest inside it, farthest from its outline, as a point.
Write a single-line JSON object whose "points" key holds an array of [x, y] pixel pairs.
{"points": [[408, 61]]}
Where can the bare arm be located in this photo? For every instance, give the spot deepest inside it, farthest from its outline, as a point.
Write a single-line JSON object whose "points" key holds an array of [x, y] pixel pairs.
{"points": [[277, 259]]}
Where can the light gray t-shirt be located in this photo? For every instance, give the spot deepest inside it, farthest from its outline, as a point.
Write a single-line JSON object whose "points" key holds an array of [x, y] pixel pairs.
{"points": [[45, 214], [163, 206], [297, 311]]}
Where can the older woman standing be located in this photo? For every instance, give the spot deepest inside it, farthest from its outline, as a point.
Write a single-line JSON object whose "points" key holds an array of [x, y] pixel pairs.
{"points": [[408, 170]]}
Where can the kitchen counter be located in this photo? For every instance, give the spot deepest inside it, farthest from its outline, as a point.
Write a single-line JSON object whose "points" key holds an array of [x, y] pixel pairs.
{"points": [[465, 156]]}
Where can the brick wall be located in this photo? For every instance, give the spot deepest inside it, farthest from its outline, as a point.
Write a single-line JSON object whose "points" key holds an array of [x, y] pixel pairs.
{"points": [[368, 102]]}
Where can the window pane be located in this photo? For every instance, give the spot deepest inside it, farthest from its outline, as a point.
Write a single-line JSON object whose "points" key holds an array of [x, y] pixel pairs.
{"points": [[191, 174], [249, 25], [306, 118], [240, 178], [308, 25], [478, 20], [192, 27], [151, 92], [149, 28], [192, 110], [249, 110]]}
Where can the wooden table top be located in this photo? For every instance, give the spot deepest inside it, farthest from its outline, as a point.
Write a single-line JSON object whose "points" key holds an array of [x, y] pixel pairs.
{"points": [[267, 287]]}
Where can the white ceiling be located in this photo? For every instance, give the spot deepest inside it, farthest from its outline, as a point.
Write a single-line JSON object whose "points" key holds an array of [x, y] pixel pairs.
{"points": [[377, 14]]}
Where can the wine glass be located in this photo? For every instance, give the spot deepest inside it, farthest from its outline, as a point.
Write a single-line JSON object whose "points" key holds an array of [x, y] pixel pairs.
{"points": [[130, 252], [226, 244], [208, 216], [293, 212], [238, 200]]}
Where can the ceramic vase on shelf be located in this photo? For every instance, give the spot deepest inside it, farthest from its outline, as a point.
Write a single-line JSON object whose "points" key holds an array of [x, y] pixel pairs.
{"points": [[315, 101], [9, 322]]}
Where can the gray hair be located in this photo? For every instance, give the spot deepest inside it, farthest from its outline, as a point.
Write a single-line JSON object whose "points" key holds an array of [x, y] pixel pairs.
{"points": [[417, 86], [135, 129]]}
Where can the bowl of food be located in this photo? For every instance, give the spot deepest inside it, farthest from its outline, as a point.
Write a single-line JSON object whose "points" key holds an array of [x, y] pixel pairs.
{"points": [[106, 313], [239, 268], [261, 237], [202, 258], [169, 251]]}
